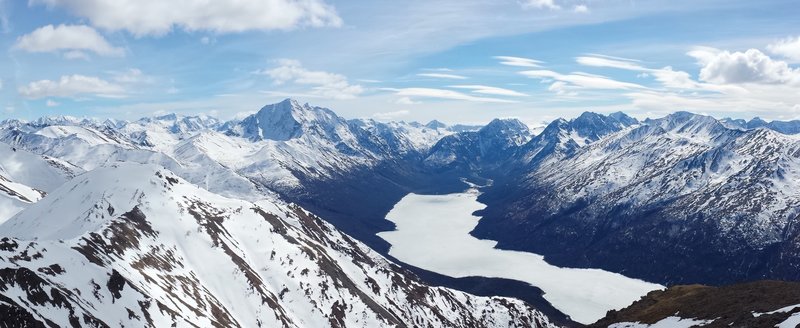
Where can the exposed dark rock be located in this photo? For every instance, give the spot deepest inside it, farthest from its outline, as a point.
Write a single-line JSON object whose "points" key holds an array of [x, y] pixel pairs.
{"points": [[727, 306]]}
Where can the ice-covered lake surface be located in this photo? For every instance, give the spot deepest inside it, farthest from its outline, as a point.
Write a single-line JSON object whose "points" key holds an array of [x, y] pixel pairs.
{"points": [[433, 234]]}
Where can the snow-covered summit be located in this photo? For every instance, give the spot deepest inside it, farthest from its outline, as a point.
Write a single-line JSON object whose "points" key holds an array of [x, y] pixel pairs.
{"points": [[289, 119]]}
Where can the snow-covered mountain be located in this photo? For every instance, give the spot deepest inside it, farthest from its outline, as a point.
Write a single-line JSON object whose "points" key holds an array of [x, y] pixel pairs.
{"points": [[135, 245], [678, 199], [278, 148], [300, 152], [785, 127], [473, 150], [563, 138], [684, 198], [25, 178]]}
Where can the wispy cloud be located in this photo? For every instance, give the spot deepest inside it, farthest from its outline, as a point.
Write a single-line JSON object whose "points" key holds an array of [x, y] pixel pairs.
{"points": [[4, 23], [443, 76], [580, 80], [131, 76], [667, 76], [72, 86], [489, 90], [391, 115], [405, 101], [608, 61], [325, 84], [519, 61], [444, 94], [549, 4]]}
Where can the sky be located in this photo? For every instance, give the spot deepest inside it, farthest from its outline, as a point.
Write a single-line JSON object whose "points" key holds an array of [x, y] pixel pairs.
{"points": [[465, 61]]}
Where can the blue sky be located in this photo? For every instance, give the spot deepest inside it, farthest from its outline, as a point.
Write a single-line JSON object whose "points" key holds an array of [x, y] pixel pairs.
{"points": [[458, 61]]}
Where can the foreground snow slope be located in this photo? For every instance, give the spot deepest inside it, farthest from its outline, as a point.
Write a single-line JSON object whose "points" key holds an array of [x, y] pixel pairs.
{"points": [[135, 245]]}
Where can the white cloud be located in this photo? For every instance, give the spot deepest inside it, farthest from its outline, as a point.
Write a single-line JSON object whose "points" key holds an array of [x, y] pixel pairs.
{"points": [[71, 38], [131, 76], [158, 17], [51, 103], [580, 9], [666, 76], [70, 86], [76, 54], [751, 66], [563, 89], [518, 61], [443, 76], [606, 61], [539, 4], [788, 48], [406, 101], [444, 94], [728, 82], [329, 85], [1, 84], [489, 90], [391, 115], [579, 80]]}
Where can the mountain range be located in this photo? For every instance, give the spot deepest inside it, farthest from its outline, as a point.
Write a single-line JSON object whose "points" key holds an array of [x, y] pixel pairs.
{"points": [[175, 220]]}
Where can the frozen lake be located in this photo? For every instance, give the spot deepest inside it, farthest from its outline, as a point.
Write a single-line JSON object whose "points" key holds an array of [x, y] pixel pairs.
{"points": [[433, 234]]}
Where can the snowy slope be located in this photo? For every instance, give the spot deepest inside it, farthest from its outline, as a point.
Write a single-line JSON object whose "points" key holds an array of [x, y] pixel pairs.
{"points": [[723, 170], [25, 178], [490, 146], [712, 204], [136, 245]]}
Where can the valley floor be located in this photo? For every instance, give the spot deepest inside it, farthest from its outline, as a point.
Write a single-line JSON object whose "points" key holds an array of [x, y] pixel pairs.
{"points": [[433, 233]]}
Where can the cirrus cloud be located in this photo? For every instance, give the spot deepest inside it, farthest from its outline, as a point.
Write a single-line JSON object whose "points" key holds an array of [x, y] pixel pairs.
{"points": [[549, 4], [325, 84], [444, 94], [580, 80], [71, 86], [518, 61], [443, 76], [489, 90]]}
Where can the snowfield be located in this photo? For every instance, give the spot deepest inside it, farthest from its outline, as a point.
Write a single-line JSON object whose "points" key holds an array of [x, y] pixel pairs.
{"points": [[432, 232], [669, 322]]}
